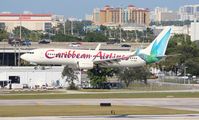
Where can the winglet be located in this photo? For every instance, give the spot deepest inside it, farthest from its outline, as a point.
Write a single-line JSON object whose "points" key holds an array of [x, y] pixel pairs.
{"points": [[98, 47]]}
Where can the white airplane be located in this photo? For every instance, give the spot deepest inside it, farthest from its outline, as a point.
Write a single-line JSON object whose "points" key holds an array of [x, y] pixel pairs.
{"points": [[87, 59]]}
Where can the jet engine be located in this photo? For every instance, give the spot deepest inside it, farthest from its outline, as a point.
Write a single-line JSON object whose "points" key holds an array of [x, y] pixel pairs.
{"points": [[85, 65]]}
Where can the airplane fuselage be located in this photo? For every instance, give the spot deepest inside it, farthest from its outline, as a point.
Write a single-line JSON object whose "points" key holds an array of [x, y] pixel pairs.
{"points": [[75, 57]]}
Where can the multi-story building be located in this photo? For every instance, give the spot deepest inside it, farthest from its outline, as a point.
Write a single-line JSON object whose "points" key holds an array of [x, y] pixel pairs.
{"points": [[189, 12], [169, 16], [118, 16], [194, 31], [175, 30], [30, 21], [158, 11], [96, 16], [138, 15], [163, 14], [88, 17]]}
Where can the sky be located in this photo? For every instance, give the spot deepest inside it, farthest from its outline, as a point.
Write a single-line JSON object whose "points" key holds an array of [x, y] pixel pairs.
{"points": [[78, 8]]}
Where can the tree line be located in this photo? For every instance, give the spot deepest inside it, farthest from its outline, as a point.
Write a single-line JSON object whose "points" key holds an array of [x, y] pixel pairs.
{"points": [[78, 32], [98, 75]]}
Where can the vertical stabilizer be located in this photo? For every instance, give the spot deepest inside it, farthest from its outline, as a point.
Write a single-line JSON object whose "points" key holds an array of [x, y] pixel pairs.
{"points": [[159, 45]]}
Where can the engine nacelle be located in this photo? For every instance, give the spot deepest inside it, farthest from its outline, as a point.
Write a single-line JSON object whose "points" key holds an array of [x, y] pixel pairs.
{"points": [[85, 65]]}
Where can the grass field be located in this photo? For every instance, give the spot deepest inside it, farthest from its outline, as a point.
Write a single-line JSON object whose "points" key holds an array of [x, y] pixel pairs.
{"points": [[42, 91], [180, 81], [143, 87], [22, 111], [157, 87], [103, 95]]}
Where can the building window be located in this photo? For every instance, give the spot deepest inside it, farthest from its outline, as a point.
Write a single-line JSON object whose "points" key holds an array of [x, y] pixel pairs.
{"points": [[14, 79], [197, 9], [189, 10]]}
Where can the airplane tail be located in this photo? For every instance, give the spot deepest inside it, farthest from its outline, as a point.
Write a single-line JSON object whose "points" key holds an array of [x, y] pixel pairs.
{"points": [[159, 45]]}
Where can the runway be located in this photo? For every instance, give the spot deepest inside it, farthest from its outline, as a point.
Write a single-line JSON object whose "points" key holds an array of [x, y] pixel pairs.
{"points": [[174, 103], [119, 117]]}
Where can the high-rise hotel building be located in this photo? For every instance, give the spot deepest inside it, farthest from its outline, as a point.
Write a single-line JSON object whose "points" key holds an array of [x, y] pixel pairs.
{"points": [[109, 16], [189, 12]]}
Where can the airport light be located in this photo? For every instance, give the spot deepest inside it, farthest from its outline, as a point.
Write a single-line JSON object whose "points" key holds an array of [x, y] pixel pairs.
{"points": [[136, 40], [185, 73], [71, 27], [3, 51], [120, 33], [20, 27], [19, 59], [15, 58], [71, 20], [19, 54], [163, 68], [64, 26]]}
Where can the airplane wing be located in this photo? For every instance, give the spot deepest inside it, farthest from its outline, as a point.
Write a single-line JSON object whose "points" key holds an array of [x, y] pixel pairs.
{"points": [[165, 56], [105, 62]]}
